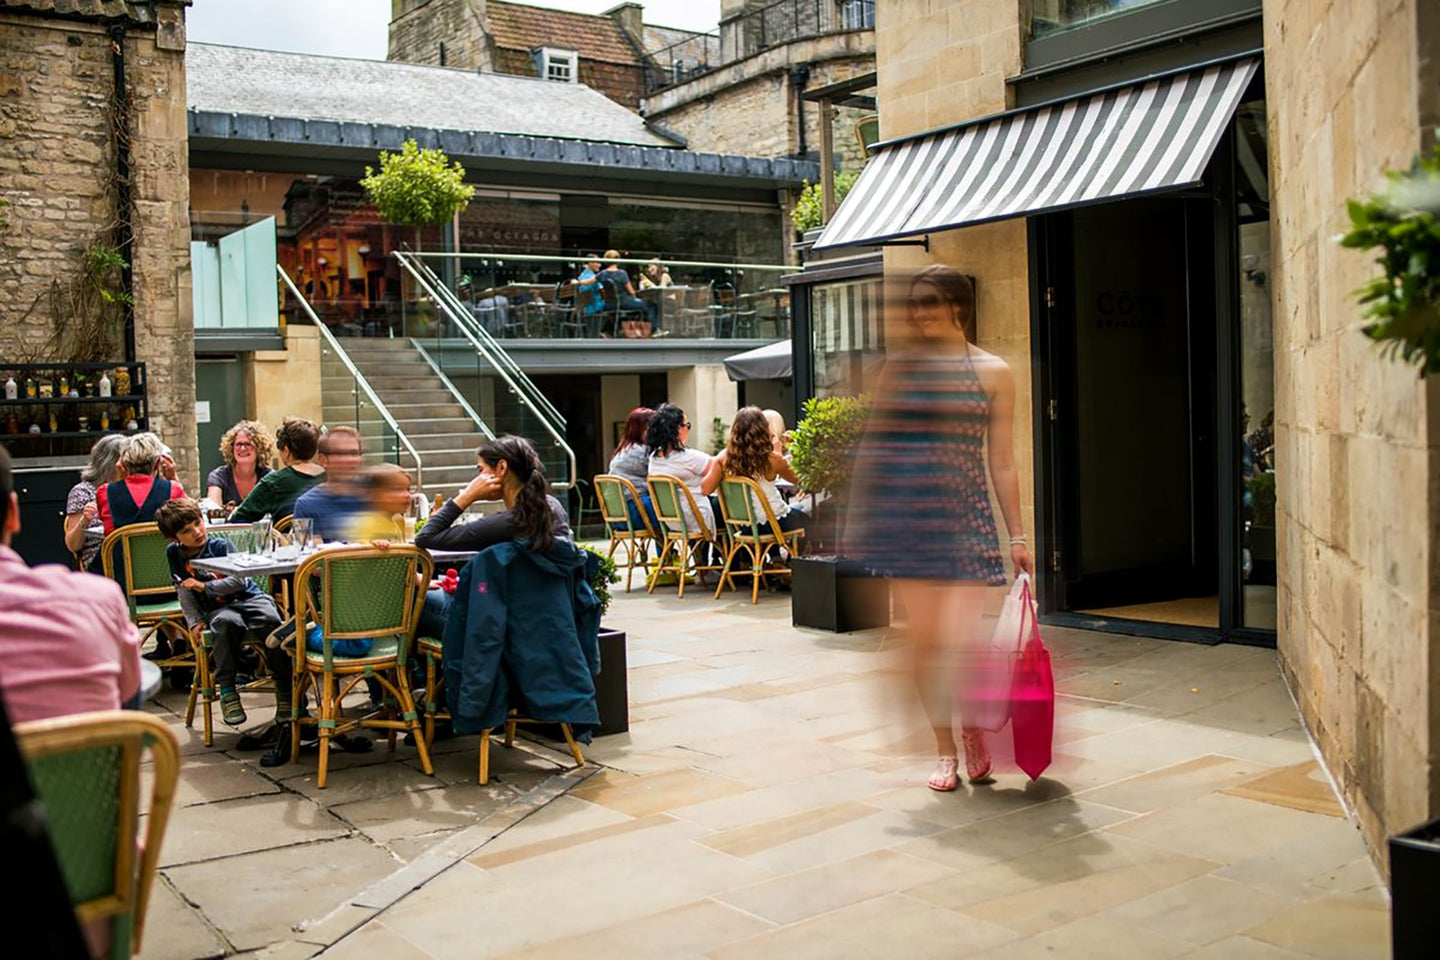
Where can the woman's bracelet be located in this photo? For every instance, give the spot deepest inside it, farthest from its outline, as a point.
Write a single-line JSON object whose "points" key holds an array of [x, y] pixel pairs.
{"points": [[1019, 540]]}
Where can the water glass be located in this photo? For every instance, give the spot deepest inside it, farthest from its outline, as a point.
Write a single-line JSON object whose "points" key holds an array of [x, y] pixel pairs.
{"points": [[260, 530], [301, 531]]}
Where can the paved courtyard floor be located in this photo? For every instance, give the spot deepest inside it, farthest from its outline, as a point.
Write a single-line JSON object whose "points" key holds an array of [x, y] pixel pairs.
{"points": [[769, 801]]}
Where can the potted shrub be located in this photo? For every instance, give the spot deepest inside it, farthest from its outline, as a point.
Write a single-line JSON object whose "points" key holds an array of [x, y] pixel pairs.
{"points": [[828, 591], [612, 690]]}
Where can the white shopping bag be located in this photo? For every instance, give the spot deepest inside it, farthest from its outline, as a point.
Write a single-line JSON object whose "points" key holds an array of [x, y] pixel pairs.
{"points": [[982, 682]]}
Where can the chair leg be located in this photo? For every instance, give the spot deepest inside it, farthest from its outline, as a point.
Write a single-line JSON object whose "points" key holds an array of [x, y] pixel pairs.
{"points": [[684, 564], [665, 550], [429, 700], [484, 757], [725, 573], [297, 690], [412, 721], [574, 747], [510, 733], [758, 569], [327, 724]]}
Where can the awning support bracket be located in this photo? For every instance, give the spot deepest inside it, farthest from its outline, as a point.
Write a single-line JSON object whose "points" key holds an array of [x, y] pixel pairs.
{"points": [[922, 242]]}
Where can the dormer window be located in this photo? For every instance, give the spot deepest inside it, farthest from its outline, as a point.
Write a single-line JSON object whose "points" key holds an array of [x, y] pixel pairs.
{"points": [[559, 65]]}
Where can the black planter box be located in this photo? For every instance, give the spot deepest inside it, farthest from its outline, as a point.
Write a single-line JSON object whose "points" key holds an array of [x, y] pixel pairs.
{"points": [[1414, 891], [828, 593], [612, 689]]}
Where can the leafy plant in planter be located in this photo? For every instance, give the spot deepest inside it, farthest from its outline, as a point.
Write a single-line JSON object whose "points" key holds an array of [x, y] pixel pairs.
{"points": [[417, 187], [605, 574], [822, 449], [1403, 303], [809, 210]]}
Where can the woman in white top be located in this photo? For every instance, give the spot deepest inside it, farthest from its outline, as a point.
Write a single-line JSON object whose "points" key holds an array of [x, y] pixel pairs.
{"points": [[669, 457], [751, 453]]}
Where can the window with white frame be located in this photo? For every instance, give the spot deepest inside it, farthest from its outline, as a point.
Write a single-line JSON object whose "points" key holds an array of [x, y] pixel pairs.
{"points": [[562, 66]]}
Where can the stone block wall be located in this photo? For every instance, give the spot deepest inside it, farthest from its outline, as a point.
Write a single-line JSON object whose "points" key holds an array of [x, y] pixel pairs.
{"points": [[57, 158], [1355, 433], [418, 28], [940, 64]]}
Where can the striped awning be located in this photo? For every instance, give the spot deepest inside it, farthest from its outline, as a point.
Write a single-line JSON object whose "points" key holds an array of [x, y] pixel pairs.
{"points": [[1122, 142]]}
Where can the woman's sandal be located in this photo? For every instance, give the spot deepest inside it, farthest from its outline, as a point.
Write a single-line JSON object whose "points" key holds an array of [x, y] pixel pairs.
{"points": [[977, 757], [946, 776]]}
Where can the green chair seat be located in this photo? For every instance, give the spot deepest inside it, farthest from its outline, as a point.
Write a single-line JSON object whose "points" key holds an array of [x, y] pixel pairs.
{"points": [[383, 649]]}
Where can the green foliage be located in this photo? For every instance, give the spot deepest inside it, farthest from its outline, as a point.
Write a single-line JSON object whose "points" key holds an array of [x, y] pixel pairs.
{"points": [[103, 266], [719, 435], [809, 211], [417, 188], [1403, 303], [1262, 498], [605, 575], [823, 449]]}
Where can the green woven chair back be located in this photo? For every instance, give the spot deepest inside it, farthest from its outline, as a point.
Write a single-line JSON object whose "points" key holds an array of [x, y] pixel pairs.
{"points": [[242, 539], [366, 596], [81, 793], [612, 501], [738, 506], [665, 498]]}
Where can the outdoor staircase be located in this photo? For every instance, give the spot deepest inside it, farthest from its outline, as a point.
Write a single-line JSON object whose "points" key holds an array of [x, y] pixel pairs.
{"points": [[440, 429]]}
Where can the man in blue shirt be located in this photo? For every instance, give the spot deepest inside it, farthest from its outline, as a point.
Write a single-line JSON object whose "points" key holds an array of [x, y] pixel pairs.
{"points": [[332, 505], [588, 299]]}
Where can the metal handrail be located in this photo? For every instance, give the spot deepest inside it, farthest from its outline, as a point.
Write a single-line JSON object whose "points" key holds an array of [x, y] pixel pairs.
{"points": [[454, 390], [580, 257], [437, 291], [359, 378], [483, 340]]}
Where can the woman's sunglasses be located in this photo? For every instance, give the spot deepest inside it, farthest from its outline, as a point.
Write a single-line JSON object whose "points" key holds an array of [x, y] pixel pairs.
{"points": [[928, 302]]}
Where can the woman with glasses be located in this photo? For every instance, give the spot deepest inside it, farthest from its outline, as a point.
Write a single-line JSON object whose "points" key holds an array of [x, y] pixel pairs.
{"points": [[943, 413], [248, 451], [669, 457]]}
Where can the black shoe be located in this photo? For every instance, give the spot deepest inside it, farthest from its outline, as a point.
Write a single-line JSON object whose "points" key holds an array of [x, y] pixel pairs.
{"points": [[181, 679], [266, 738], [278, 754]]}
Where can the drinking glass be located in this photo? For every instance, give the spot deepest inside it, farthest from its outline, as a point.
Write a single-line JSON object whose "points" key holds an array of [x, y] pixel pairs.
{"points": [[261, 531], [301, 531]]}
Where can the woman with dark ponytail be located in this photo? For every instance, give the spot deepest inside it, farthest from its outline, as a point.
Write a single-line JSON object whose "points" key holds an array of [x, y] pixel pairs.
{"points": [[509, 470]]}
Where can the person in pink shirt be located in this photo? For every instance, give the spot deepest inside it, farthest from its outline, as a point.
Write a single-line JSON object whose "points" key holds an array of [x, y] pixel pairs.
{"points": [[66, 641]]}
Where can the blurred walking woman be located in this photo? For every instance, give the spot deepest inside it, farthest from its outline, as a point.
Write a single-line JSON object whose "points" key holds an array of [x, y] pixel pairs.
{"points": [[922, 511]]}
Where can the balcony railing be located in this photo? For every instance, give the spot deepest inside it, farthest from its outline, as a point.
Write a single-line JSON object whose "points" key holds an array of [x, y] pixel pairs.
{"points": [[782, 22]]}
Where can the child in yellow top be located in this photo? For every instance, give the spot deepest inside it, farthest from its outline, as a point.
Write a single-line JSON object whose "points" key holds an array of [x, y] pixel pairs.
{"points": [[387, 488]]}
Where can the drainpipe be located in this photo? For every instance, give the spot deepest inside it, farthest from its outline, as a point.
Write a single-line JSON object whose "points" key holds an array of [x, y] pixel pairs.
{"points": [[799, 77], [125, 236]]}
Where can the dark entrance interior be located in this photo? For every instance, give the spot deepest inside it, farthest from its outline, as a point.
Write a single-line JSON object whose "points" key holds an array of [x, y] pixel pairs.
{"points": [[1129, 356]]}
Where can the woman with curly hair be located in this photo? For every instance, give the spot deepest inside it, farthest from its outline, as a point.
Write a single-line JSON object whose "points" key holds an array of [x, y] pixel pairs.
{"points": [[248, 450], [751, 453]]}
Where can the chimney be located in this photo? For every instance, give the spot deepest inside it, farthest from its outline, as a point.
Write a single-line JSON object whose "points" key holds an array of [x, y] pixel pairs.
{"points": [[631, 18]]}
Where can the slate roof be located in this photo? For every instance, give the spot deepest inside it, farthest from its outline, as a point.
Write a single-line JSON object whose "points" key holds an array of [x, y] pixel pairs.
{"points": [[138, 12], [266, 83], [516, 26]]}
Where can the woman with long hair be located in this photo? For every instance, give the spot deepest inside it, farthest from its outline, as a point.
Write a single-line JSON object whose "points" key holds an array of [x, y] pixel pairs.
{"points": [[669, 457], [922, 515], [632, 462], [751, 453], [508, 469], [83, 529], [247, 450]]}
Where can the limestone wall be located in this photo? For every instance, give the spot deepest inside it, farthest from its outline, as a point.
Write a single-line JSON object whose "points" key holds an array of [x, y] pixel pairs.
{"points": [[1355, 434], [418, 28], [57, 163], [927, 82]]}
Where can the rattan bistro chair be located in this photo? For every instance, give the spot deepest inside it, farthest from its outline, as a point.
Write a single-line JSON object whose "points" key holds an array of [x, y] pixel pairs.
{"points": [[202, 688], [754, 528], [615, 495], [358, 593], [134, 557], [86, 771], [678, 547]]}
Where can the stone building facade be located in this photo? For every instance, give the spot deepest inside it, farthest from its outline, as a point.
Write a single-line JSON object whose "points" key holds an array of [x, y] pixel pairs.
{"points": [[58, 178], [493, 36], [1356, 464]]}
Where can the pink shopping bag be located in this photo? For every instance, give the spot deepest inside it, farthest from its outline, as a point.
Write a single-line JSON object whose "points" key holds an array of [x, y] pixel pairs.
{"points": [[985, 670], [1032, 706]]}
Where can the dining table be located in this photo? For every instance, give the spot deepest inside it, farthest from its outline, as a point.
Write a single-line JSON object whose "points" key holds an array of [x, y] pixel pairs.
{"points": [[284, 561]]}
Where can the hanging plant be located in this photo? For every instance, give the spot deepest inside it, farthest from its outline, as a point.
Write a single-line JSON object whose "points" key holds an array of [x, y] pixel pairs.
{"points": [[417, 188], [1401, 223]]}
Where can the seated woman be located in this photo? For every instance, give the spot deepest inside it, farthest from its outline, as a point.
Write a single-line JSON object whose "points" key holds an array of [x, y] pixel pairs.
{"points": [[509, 470], [632, 462], [136, 498], [751, 453], [83, 529], [248, 451], [669, 457]]}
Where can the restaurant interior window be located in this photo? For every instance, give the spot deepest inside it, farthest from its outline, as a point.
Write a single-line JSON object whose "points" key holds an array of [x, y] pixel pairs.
{"points": [[558, 65], [847, 336], [1050, 16]]}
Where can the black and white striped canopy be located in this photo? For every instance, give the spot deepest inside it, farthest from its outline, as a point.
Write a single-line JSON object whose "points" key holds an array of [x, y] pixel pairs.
{"points": [[1116, 143]]}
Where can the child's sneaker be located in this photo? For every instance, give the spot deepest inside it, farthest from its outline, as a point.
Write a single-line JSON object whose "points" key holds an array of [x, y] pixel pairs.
{"points": [[232, 711]]}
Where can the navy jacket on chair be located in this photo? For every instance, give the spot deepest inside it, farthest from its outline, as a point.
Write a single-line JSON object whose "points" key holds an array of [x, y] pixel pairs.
{"points": [[523, 633]]}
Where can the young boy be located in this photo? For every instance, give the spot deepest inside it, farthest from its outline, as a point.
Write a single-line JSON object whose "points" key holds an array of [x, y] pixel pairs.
{"points": [[228, 606]]}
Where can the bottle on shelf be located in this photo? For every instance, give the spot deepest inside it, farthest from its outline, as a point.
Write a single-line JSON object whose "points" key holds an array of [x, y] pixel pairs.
{"points": [[12, 423], [105, 418], [104, 384], [64, 386], [30, 387], [47, 388], [12, 389], [122, 382], [54, 422], [33, 428]]}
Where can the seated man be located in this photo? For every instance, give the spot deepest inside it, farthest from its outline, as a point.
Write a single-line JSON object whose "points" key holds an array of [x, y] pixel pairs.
{"points": [[334, 504], [619, 279], [66, 641]]}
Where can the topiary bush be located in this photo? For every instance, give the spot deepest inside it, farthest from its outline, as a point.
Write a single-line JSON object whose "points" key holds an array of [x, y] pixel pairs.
{"points": [[822, 449], [605, 574], [417, 188]]}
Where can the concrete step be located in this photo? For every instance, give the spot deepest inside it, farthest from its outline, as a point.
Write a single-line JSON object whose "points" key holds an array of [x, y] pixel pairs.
{"points": [[428, 427], [449, 458], [429, 411], [448, 441]]}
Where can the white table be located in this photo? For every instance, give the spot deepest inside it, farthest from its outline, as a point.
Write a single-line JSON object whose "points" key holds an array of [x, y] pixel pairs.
{"points": [[286, 565]]}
